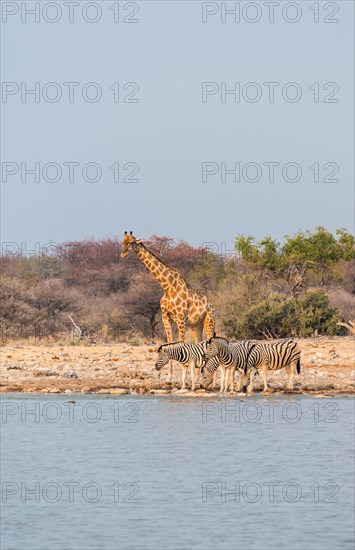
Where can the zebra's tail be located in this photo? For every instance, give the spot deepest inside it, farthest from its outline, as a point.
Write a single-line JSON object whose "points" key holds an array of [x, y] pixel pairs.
{"points": [[298, 365]]}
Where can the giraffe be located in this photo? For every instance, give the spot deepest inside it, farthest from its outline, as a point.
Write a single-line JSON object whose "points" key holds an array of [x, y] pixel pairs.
{"points": [[180, 304]]}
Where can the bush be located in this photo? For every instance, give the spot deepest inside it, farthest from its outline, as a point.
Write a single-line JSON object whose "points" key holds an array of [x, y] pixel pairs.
{"points": [[271, 289], [281, 317]]}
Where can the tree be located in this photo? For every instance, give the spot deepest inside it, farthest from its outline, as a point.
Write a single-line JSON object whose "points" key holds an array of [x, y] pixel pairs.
{"points": [[143, 300]]}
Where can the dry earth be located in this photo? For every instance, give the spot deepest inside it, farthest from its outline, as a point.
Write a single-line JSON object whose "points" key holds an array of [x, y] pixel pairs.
{"points": [[327, 365]]}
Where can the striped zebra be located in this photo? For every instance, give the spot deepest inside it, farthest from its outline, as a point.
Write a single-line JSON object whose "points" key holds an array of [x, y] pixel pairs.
{"points": [[273, 356], [231, 357], [186, 354]]}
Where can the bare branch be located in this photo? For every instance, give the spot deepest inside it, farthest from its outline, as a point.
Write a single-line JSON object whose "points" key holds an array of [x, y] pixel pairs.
{"points": [[78, 329]]}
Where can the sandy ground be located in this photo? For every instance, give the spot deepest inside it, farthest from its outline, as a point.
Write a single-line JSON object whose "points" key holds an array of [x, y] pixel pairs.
{"points": [[327, 365]]}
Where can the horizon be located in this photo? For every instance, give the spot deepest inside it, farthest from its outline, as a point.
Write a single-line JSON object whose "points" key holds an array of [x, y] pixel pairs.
{"points": [[221, 248]]}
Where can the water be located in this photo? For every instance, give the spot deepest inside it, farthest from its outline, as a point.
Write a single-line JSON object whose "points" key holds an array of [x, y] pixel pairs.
{"points": [[154, 472]]}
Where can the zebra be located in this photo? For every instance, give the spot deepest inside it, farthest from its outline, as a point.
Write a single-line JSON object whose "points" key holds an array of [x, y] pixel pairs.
{"points": [[186, 354], [273, 356], [230, 356]]}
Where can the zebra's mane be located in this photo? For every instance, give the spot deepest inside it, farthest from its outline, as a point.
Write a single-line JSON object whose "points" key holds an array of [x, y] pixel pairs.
{"points": [[221, 341], [169, 344], [218, 338]]}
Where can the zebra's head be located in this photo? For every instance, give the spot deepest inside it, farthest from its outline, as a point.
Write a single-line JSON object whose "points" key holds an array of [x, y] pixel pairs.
{"points": [[163, 358], [213, 346], [129, 243], [207, 373]]}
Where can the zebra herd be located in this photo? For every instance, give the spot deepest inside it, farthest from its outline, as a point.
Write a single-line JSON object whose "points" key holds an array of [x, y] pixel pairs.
{"points": [[246, 358]]}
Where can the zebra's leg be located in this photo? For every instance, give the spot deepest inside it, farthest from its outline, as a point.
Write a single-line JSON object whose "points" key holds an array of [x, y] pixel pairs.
{"points": [[192, 371], [290, 369], [250, 387], [223, 371], [239, 384], [183, 376], [214, 379], [181, 329], [169, 338], [199, 379], [231, 379], [264, 370], [225, 380]]}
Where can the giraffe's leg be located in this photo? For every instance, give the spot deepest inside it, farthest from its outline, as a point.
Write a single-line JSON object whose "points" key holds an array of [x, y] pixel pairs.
{"points": [[181, 325], [169, 338], [197, 331], [209, 323]]}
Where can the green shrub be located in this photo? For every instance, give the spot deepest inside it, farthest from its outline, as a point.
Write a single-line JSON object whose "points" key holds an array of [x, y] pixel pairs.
{"points": [[281, 317]]}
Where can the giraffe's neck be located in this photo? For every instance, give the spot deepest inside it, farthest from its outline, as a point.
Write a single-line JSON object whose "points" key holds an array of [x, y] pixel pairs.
{"points": [[164, 274]]}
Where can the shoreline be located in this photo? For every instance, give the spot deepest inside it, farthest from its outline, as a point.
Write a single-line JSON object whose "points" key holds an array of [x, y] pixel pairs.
{"points": [[327, 366]]}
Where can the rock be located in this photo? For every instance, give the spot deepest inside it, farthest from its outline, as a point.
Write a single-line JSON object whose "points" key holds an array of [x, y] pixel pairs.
{"points": [[118, 391], [68, 391], [54, 390], [181, 391], [70, 374], [159, 392], [86, 390]]}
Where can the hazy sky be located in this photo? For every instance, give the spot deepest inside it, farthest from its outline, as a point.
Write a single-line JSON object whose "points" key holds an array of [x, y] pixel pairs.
{"points": [[163, 131]]}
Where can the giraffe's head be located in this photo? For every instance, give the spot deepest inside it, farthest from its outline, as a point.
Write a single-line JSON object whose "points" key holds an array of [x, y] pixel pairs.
{"points": [[129, 243]]}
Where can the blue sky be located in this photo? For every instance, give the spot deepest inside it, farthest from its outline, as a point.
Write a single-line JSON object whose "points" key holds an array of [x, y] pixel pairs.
{"points": [[161, 132]]}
